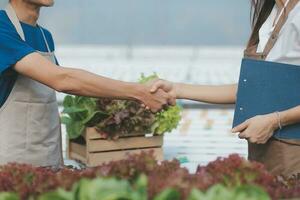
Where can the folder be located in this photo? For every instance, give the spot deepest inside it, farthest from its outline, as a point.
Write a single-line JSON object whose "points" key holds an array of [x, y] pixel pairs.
{"points": [[266, 87]]}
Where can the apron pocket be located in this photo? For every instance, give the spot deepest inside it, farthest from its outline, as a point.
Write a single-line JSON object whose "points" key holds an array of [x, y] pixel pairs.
{"points": [[44, 137]]}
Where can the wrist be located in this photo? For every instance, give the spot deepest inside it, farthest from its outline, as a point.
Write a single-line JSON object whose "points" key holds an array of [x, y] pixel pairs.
{"points": [[178, 91], [273, 120], [284, 118], [136, 91]]}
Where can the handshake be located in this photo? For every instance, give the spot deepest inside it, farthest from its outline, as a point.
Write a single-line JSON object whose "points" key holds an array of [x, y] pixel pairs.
{"points": [[158, 94]]}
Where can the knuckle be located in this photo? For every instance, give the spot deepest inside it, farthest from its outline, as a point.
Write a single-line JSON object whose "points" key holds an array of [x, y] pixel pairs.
{"points": [[253, 140], [160, 81]]}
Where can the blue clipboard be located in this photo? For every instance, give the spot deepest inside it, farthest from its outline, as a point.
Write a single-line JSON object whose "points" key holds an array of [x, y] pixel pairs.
{"points": [[265, 87]]}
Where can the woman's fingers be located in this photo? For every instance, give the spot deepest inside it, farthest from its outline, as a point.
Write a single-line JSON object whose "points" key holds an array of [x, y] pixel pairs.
{"points": [[241, 127], [244, 135], [156, 85]]}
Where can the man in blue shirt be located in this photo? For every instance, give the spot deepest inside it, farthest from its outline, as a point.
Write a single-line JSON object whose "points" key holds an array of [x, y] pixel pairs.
{"points": [[29, 120]]}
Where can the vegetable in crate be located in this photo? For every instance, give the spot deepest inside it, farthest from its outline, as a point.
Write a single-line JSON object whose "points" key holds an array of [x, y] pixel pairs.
{"points": [[117, 117]]}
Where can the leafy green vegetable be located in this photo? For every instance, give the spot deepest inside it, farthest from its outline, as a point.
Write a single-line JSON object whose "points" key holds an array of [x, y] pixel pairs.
{"points": [[141, 177], [115, 189], [101, 188], [59, 194], [116, 117], [220, 192], [80, 112], [125, 118], [145, 79], [166, 121], [250, 192], [168, 194], [109, 189], [8, 196]]}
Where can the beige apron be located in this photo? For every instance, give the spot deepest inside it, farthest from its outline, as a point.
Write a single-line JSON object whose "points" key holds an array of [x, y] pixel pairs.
{"points": [[281, 157], [29, 119]]}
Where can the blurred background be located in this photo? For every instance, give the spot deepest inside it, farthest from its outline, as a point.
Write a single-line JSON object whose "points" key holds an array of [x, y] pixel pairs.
{"points": [[192, 41]]}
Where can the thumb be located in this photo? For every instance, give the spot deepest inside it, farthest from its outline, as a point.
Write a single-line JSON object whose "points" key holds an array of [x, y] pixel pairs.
{"points": [[172, 100], [155, 86], [240, 127]]}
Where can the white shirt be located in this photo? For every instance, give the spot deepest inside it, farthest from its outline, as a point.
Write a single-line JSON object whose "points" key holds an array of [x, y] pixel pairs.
{"points": [[287, 48]]}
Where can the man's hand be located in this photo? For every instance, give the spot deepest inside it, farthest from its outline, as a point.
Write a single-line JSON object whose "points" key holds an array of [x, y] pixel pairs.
{"points": [[166, 86], [258, 129]]}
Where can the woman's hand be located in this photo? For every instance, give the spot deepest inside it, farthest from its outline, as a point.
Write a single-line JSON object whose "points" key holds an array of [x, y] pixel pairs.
{"points": [[258, 129]]}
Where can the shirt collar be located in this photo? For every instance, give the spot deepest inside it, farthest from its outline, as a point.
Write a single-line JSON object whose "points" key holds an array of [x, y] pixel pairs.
{"points": [[280, 3]]}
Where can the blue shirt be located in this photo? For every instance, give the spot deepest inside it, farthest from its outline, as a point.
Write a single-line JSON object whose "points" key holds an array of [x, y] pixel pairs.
{"points": [[13, 49]]}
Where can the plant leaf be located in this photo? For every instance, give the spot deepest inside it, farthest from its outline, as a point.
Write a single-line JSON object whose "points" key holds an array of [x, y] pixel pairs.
{"points": [[59, 194], [8, 196], [168, 194], [74, 129]]}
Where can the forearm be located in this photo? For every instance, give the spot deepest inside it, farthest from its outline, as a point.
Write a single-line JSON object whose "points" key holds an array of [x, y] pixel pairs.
{"points": [[223, 94], [290, 116], [83, 83], [80, 82]]}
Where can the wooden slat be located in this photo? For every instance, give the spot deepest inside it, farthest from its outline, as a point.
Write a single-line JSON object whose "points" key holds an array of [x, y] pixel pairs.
{"points": [[77, 152], [124, 143], [78, 149], [95, 159], [77, 157], [92, 133]]}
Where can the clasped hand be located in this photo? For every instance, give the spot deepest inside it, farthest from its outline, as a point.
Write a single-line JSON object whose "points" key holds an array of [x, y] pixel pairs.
{"points": [[158, 95]]}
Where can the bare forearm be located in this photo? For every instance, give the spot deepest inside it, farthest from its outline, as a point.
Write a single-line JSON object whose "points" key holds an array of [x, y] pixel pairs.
{"points": [[291, 116], [81, 82], [223, 94]]}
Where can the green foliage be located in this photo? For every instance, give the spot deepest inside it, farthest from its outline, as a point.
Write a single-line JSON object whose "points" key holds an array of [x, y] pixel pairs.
{"points": [[145, 79], [59, 194], [8, 196], [168, 194], [80, 112], [102, 188], [167, 120], [114, 189], [141, 177], [220, 192], [116, 117]]}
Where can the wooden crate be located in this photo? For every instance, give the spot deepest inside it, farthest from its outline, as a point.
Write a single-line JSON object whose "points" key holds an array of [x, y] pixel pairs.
{"points": [[95, 150]]}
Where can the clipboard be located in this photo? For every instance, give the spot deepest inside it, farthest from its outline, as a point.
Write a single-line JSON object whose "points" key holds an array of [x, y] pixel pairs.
{"points": [[265, 87]]}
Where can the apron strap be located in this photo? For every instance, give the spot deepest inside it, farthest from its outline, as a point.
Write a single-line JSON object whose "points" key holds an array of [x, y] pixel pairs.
{"points": [[14, 20], [264, 14], [279, 24], [46, 42]]}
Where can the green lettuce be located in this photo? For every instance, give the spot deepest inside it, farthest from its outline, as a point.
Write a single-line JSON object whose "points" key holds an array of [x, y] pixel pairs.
{"points": [[116, 117], [219, 192]]}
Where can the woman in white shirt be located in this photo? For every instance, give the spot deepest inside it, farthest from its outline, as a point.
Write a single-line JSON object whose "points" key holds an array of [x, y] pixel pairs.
{"points": [[276, 38]]}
